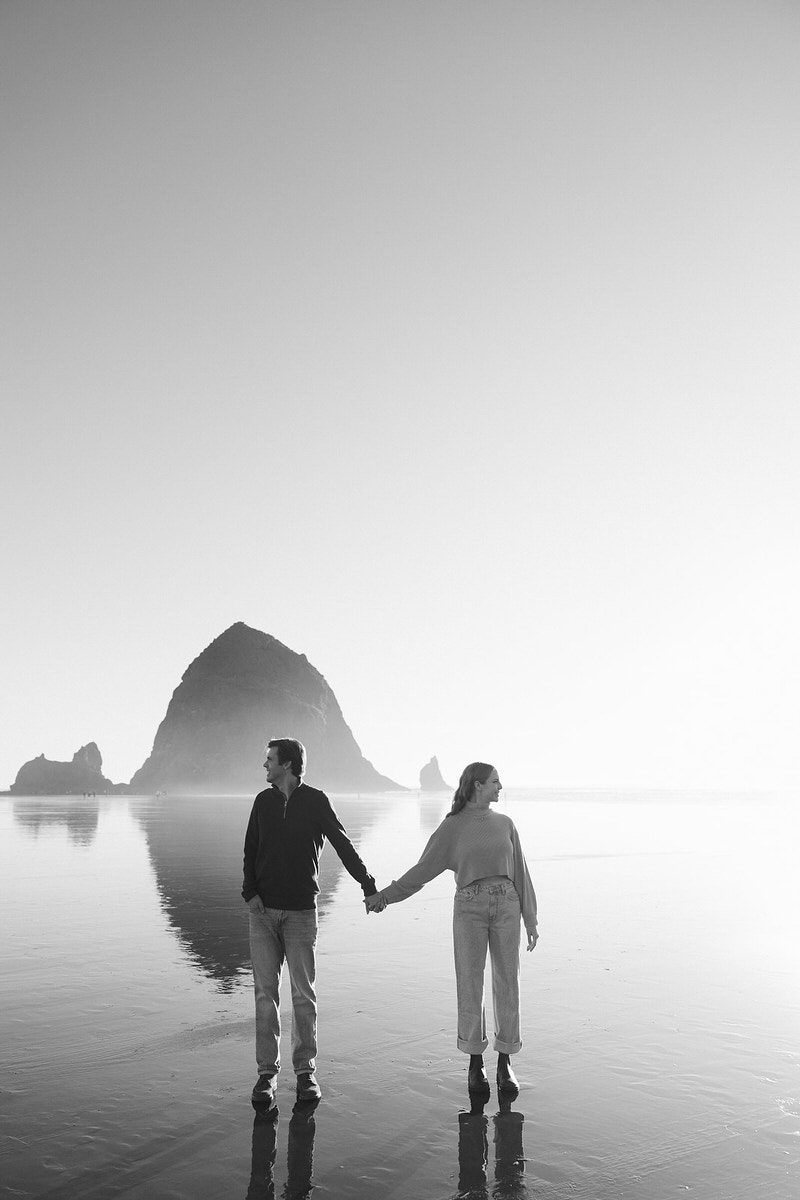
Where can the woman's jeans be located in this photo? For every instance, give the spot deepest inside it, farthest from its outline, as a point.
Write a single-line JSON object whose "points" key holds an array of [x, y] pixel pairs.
{"points": [[487, 914], [276, 935]]}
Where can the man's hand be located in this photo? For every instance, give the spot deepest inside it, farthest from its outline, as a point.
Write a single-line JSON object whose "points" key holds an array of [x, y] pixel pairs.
{"points": [[374, 903], [532, 939], [255, 904]]}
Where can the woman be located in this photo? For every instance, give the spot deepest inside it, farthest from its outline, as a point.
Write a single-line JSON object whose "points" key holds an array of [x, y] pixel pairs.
{"points": [[493, 889]]}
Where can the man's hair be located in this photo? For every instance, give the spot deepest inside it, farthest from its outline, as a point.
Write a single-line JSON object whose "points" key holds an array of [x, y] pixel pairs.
{"points": [[292, 752]]}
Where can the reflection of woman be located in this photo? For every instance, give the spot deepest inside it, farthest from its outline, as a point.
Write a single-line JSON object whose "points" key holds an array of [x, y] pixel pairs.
{"points": [[493, 889], [473, 1153]]}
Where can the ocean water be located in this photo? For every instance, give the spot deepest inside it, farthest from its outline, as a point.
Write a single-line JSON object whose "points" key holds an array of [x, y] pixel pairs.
{"points": [[661, 1009]]}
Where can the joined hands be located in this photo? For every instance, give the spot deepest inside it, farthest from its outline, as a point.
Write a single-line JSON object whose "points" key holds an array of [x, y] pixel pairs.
{"points": [[374, 903]]}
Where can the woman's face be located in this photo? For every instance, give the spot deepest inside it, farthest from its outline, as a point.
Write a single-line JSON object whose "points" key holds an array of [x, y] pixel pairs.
{"points": [[489, 792]]}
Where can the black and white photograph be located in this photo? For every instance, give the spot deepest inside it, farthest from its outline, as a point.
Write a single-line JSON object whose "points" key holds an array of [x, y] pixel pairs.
{"points": [[400, 689]]}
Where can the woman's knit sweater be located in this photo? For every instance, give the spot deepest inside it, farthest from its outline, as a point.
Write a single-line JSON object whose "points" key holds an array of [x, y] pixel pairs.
{"points": [[475, 843]]}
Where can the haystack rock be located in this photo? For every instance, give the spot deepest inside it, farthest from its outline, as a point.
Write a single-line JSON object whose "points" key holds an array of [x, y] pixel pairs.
{"points": [[430, 777], [45, 777], [244, 688]]}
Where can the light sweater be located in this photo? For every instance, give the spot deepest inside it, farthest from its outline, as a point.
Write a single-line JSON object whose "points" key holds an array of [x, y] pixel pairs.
{"points": [[476, 843]]}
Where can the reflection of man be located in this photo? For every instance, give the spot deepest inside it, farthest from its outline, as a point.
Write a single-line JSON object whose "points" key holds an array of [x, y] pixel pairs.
{"points": [[299, 1153], [288, 826]]}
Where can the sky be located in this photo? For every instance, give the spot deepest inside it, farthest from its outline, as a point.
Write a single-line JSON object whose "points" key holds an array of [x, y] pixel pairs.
{"points": [[453, 344]]}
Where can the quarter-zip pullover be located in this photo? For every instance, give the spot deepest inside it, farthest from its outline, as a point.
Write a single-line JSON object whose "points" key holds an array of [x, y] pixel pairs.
{"points": [[283, 843]]}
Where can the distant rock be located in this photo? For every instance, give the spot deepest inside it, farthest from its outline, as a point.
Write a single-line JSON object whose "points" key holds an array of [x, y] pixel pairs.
{"points": [[43, 777], [430, 777], [245, 688]]}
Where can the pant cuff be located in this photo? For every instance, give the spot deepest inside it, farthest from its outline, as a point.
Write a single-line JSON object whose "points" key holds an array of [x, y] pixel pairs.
{"points": [[507, 1047], [472, 1047]]}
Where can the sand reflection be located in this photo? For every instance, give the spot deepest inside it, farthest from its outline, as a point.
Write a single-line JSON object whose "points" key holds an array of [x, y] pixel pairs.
{"points": [[659, 1007], [299, 1153], [500, 1177], [79, 817]]}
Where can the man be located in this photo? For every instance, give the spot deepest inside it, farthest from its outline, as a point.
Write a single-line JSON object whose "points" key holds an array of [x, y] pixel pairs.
{"points": [[288, 826]]}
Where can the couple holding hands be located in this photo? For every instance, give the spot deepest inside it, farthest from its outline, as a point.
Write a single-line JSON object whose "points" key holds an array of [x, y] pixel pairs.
{"points": [[288, 824]]}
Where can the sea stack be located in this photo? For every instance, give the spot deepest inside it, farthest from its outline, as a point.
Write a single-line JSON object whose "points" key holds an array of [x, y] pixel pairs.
{"points": [[46, 777], [244, 688], [430, 777]]}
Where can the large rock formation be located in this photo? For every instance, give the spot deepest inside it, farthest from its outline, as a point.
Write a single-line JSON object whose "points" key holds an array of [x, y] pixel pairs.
{"points": [[244, 688], [44, 777], [430, 777]]}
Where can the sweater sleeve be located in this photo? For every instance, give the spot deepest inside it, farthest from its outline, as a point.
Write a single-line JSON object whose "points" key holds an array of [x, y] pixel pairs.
{"points": [[434, 860], [523, 884], [249, 888], [336, 834]]}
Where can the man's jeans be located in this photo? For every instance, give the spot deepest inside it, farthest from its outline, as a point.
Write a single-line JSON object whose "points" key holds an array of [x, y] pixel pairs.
{"points": [[276, 935], [487, 914]]}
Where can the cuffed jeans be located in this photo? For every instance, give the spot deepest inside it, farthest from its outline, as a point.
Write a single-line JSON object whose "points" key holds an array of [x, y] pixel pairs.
{"points": [[276, 935], [486, 914]]}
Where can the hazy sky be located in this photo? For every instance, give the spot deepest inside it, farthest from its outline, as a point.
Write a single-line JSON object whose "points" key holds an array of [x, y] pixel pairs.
{"points": [[454, 344]]}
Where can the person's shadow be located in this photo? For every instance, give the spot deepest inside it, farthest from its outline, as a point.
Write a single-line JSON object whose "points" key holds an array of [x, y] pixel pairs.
{"points": [[473, 1154], [299, 1154]]}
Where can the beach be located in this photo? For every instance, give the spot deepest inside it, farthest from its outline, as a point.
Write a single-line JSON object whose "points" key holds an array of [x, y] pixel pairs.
{"points": [[660, 1018]]}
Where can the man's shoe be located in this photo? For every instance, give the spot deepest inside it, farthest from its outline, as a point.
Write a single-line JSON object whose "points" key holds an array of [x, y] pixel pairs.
{"points": [[264, 1091], [307, 1087], [506, 1080], [477, 1081]]}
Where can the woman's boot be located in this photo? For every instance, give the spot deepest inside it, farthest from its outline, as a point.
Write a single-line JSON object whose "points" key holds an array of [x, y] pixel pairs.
{"points": [[477, 1081], [506, 1079]]}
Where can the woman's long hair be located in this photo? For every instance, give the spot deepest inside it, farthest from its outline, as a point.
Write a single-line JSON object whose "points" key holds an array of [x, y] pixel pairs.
{"points": [[474, 773]]}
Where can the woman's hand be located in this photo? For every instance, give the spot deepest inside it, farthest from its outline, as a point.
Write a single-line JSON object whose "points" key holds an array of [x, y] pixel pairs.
{"points": [[533, 939], [374, 903]]}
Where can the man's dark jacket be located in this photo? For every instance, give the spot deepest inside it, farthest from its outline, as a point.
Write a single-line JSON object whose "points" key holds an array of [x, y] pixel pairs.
{"points": [[283, 843]]}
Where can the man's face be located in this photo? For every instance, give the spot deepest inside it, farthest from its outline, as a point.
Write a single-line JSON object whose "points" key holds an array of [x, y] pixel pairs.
{"points": [[275, 772]]}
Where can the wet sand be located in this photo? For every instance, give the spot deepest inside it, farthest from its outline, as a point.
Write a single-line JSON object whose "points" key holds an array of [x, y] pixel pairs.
{"points": [[662, 1047]]}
